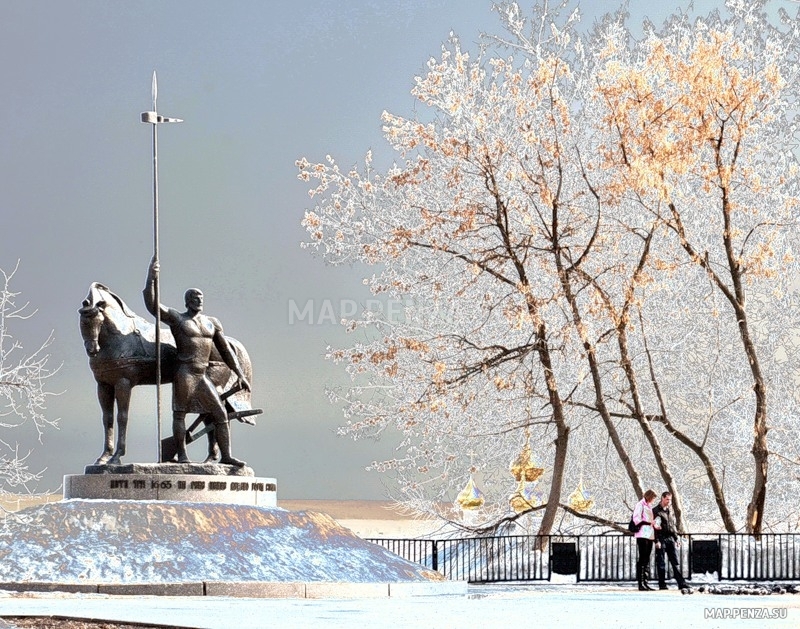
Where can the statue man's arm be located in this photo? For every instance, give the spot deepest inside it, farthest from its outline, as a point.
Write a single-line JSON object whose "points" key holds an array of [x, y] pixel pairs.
{"points": [[149, 292], [227, 353]]}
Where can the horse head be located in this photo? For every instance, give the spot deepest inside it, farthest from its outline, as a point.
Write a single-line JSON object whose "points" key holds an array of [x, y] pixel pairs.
{"points": [[92, 317], [106, 318]]}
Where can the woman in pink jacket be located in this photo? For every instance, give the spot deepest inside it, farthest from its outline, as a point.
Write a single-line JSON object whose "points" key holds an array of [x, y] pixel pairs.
{"points": [[643, 516]]}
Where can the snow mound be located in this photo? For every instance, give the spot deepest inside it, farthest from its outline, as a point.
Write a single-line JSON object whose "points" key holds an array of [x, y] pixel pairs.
{"points": [[115, 541]]}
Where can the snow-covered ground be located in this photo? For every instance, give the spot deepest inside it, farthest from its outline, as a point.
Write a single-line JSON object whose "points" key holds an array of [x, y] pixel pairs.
{"points": [[485, 607], [154, 541]]}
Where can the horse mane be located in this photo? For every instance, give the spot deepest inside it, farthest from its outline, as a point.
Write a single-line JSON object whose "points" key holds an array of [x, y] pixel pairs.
{"points": [[123, 315], [125, 320], [97, 286]]}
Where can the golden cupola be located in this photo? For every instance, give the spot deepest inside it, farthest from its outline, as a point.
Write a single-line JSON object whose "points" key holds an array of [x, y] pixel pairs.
{"points": [[523, 468], [526, 473], [470, 498], [580, 499]]}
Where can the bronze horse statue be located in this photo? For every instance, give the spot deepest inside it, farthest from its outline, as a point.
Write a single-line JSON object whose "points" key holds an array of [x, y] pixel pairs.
{"points": [[122, 354]]}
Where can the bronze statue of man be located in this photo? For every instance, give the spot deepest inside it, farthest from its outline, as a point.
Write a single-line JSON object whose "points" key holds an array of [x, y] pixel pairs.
{"points": [[192, 391]]}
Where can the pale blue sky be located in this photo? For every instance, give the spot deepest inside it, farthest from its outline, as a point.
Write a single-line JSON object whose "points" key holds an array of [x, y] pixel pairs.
{"points": [[259, 84]]}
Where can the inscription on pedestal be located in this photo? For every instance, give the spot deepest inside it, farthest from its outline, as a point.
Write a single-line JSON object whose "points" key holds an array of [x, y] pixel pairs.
{"points": [[196, 485], [182, 488]]}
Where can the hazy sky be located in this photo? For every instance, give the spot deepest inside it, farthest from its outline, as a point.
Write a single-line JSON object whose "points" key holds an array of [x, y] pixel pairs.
{"points": [[259, 84]]}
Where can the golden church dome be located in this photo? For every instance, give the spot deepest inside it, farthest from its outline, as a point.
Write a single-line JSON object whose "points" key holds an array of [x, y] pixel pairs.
{"points": [[523, 468], [470, 498], [580, 499]]}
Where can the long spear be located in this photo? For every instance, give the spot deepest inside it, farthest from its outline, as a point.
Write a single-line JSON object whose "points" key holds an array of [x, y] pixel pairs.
{"points": [[152, 117]]}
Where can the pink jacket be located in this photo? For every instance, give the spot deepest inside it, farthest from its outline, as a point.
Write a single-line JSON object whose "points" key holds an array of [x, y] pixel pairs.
{"points": [[642, 512]]}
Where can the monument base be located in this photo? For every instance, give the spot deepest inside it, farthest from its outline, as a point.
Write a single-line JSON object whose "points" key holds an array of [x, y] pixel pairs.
{"points": [[183, 482], [211, 469]]}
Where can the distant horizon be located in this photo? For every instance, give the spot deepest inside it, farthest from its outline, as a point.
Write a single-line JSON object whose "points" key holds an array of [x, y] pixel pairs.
{"points": [[346, 509]]}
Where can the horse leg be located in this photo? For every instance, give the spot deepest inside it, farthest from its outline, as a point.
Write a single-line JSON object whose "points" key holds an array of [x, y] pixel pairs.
{"points": [[105, 395], [213, 449], [122, 393]]}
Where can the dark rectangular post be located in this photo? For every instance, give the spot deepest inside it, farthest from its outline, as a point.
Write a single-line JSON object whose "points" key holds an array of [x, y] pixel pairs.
{"points": [[564, 557], [706, 556]]}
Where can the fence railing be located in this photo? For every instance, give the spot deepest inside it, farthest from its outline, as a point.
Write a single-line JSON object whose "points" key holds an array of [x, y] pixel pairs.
{"points": [[773, 556]]}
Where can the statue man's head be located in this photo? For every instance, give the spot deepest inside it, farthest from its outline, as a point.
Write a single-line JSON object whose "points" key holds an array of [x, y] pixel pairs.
{"points": [[194, 299]]}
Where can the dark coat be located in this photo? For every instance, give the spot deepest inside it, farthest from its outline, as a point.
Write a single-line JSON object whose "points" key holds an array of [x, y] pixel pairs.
{"points": [[668, 528]]}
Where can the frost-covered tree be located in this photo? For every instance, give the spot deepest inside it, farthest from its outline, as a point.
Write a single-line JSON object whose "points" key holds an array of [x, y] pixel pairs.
{"points": [[22, 390], [587, 212], [464, 233], [701, 120]]}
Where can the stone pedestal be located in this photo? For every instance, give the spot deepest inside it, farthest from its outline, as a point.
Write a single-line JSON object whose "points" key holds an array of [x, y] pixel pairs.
{"points": [[184, 482]]}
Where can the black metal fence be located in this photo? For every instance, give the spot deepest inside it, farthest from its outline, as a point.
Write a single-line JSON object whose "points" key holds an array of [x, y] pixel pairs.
{"points": [[600, 557]]}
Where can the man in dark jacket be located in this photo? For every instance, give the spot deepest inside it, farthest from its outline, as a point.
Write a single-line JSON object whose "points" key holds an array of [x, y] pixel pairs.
{"points": [[666, 542]]}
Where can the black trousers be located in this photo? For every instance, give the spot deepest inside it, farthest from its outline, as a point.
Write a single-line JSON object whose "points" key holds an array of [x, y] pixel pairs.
{"points": [[667, 547], [645, 547]]}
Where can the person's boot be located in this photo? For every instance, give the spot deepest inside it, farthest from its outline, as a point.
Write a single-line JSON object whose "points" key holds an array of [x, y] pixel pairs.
{"points": [[640, 578], [224, 442], [645, 578]]}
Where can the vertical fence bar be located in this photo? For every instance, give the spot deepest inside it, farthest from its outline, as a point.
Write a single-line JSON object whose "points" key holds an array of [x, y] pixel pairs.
{"points": [[725, 558], [729, 568], [508, 555], [756, 560], [770, 558], [459, 559], [467, 561], [732, 563]]}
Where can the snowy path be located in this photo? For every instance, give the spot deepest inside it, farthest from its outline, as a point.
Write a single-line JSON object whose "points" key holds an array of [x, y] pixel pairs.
{"points": [[565, 607]]}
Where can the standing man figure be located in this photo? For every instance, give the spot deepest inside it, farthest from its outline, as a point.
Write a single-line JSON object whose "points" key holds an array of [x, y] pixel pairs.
{"points": [[192, 391], [666, 542]]}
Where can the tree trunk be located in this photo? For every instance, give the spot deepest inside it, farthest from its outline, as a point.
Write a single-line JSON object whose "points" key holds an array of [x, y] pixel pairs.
{"points": [[736, 298], [562, 435], [597, 380]]}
